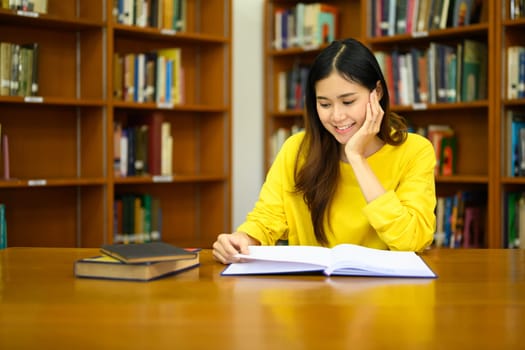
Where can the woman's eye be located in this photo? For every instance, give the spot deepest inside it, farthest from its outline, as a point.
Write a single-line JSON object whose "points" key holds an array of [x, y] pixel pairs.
{"points": [[324, 105], [347, 103]]}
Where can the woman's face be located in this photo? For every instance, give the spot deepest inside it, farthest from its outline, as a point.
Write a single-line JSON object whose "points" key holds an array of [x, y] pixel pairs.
{"points": [[341, 106]]}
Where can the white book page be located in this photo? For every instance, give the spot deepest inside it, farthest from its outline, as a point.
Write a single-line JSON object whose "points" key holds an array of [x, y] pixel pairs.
{"points": [[380, 262], [280, 259], [297, 254], [268, 267]]}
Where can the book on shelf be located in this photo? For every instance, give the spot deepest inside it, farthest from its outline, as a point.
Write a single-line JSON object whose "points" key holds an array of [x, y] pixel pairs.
{"points": [[327, 23], [423, 16], [517, 9], [146, 252], [141, 149], [515, 129], [167, 15], [279, 136], [18, 69], [117, 151], [462, 12], [436, 133], [521, 223], [305, 24], [140, 143], [5, 68], [166, 155], [515, 71], [150, 76], [474, 71], [448, 155], [154, 76], [173, 70], [106, 267], [5, 156], [511, 239], [3, 227], [515, 220], [342, 260], [393, 17], [137, 219], [401, 16], [153, 148], [473, 229], [460, 220], [439, 235], [25, 5]]}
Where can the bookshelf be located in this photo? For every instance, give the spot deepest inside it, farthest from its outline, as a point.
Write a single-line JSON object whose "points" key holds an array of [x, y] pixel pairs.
{"points": [[472, 115], [474, 118], [62, 185], [510, 186], [280, 120]]}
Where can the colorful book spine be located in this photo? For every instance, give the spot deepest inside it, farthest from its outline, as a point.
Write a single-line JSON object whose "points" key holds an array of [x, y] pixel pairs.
{"points": [[3, 227], [5, 157]]}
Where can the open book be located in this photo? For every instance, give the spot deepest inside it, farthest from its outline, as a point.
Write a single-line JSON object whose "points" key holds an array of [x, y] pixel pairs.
{"points": [[344, 259]]}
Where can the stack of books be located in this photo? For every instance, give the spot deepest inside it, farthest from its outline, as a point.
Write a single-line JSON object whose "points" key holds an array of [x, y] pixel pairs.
{"points": [[137, 262]]}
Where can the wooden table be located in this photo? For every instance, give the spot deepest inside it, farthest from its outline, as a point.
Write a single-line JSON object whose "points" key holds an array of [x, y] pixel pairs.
{"points": [[477, 302]]}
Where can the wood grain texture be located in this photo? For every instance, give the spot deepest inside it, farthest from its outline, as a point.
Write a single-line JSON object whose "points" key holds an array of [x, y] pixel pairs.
{"points": [[477, 302]]}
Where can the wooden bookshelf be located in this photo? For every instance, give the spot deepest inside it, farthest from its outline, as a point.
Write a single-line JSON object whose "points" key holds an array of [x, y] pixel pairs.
{"points": [[473, 121], [280, 60], [62, 186], [508, 32], [477, 123]]}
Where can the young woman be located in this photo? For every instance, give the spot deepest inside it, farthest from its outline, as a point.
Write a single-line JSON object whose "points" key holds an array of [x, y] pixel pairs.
{"points": [[355, 175]]}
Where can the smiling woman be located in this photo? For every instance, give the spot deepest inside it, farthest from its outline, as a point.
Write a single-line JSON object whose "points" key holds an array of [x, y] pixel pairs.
{"points": [[355, 175], [342, 108]]}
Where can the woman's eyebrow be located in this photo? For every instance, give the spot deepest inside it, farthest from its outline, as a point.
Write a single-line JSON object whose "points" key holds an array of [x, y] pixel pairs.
{"points": [[348, 94]]}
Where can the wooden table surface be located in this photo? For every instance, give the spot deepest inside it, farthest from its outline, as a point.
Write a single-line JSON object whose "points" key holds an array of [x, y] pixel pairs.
{"points": [[477, 302]]}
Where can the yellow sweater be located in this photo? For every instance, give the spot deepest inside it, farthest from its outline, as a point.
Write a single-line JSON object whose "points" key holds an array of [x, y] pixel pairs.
{"points": [[401, 219]]}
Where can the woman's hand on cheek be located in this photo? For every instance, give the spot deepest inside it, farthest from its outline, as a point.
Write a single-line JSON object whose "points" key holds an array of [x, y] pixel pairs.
{"points": [[368, 130]]}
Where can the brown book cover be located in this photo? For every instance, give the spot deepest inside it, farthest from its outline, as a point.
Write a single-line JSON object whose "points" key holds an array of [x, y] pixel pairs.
{"points": [[154, 122], [106, 267], [145, 252]]}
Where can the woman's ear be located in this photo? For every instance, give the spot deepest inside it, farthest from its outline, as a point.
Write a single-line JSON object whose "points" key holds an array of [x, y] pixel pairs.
{"points": [[379, 90]]}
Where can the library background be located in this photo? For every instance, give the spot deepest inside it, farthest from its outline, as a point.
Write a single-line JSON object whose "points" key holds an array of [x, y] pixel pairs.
{"points": [[116, 116]]}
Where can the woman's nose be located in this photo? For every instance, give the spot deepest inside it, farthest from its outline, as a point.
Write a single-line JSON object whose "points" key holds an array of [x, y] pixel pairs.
{"points": [[338, 113]]}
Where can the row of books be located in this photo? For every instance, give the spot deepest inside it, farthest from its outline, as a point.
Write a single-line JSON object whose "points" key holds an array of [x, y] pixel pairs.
{"points": [[305, 25], [445, 142], [18, 69], [3, 227], [291, 87], [517, 9], [143, 147], [137, 262], [392, 17], [439, 74], [460, 220], [137, 218], [163, 14], [515, 220], [515, 140], [149, 77], [39, 6], [279, 136], [515, 71]]}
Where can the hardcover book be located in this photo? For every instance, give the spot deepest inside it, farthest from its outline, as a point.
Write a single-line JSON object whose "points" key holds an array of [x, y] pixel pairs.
{"points": [[146, 252], [107, 267], [343, 260]]}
